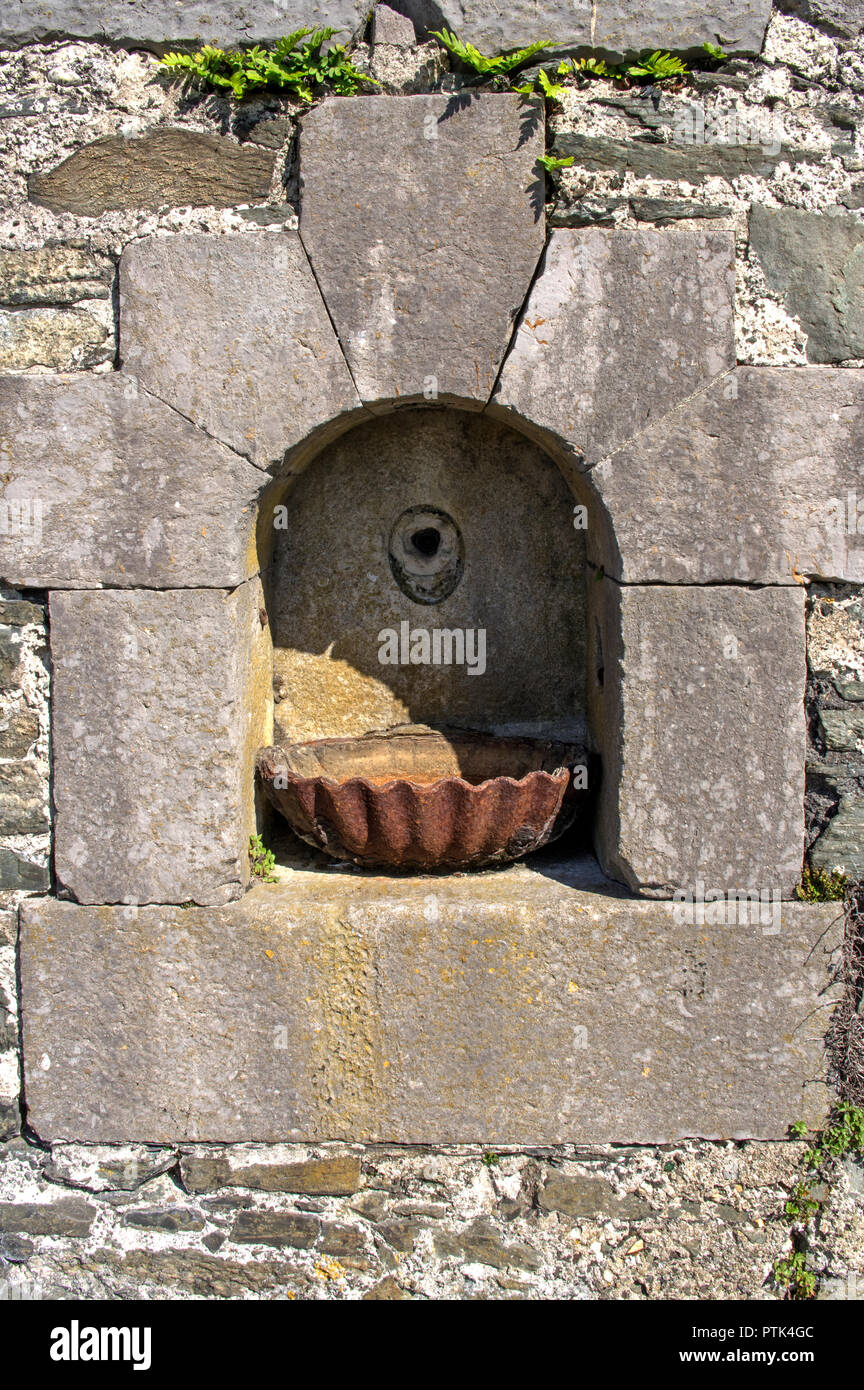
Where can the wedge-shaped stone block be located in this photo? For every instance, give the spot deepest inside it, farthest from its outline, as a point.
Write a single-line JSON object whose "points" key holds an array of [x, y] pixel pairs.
{"points": [[758, 479], [425, 240], [158, 23], [232, 331], [697, 697], [106, 485], [619, 328], [508, 1008], [175, 168], [160, 700]]}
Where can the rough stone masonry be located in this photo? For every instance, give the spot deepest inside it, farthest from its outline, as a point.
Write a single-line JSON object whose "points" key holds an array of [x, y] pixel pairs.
{"points": [[202, 1086]]}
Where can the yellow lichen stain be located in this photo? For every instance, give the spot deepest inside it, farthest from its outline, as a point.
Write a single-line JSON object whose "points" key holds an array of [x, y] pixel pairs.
{"points": [[572, 987], [269, 955], [326, 1268], [646, 1071]]}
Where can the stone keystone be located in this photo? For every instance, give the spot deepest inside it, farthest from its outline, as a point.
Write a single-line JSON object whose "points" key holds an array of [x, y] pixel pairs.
{"points": [[756, 480], [107, 485], [619, 328], [232, 331], [424, 241], [160, 700]]}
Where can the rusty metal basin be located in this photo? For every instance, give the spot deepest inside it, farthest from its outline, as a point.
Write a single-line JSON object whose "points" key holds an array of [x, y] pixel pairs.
{"points": [[424, 799]]}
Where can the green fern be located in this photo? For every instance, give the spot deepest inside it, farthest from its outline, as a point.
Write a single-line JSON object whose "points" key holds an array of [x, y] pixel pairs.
{"points": [[292, 66], [488, 67], [594, 67], [715, 54], [656, 67], [552, 164]]}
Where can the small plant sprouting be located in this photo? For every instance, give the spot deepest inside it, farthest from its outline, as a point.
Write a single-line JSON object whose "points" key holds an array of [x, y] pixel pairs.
{"points": [[490, 1159], [820, 886], [656, 67], [715, 54], [262, 861], [488, 67], [801, 1206], [552, 164], [301, 69], [594, 67], [792, 1274], [844, 1135]]}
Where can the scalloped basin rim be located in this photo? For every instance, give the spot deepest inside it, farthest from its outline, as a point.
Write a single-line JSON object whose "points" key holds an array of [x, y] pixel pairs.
{"points": [[423, 798]]}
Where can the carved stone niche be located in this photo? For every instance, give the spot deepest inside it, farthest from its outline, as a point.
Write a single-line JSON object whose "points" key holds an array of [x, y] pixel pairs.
{"points": [[417, 524]]}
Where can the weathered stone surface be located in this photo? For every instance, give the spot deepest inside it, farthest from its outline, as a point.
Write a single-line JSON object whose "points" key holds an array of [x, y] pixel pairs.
{"points": [[164, 167], [844, 18], [618, 26], [53, 275], [841, 844], [100, 1168], [842, 729], [10, 659], [662, 211], [387, 1291], [278, 1228], [683, 161], [425, 240], [18, 874], [334, 589], [482, 1243], [160, 701], [751, 481], [323, 1177], [815, 263], [337, 1007], [579, 1197], [159, 23], [8, 926], [20, 613], [698, 711], [232, 330], [69, 1216], [116, 488], [22, 799], [390, 27], [10, 1123], [205, 1276], [737, 25], [60, 338], [18, 731], [619, 328], [163, 1219]]}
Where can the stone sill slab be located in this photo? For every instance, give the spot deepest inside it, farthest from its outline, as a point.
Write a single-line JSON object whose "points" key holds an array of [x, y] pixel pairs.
{"points": [[507, 1008]]}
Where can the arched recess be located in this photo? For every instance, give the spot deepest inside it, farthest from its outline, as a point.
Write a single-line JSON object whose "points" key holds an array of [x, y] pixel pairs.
{"points": [[517, 511]]}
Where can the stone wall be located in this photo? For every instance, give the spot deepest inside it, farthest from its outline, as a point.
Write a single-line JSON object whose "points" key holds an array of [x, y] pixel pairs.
{"points": [[96, 153]]}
